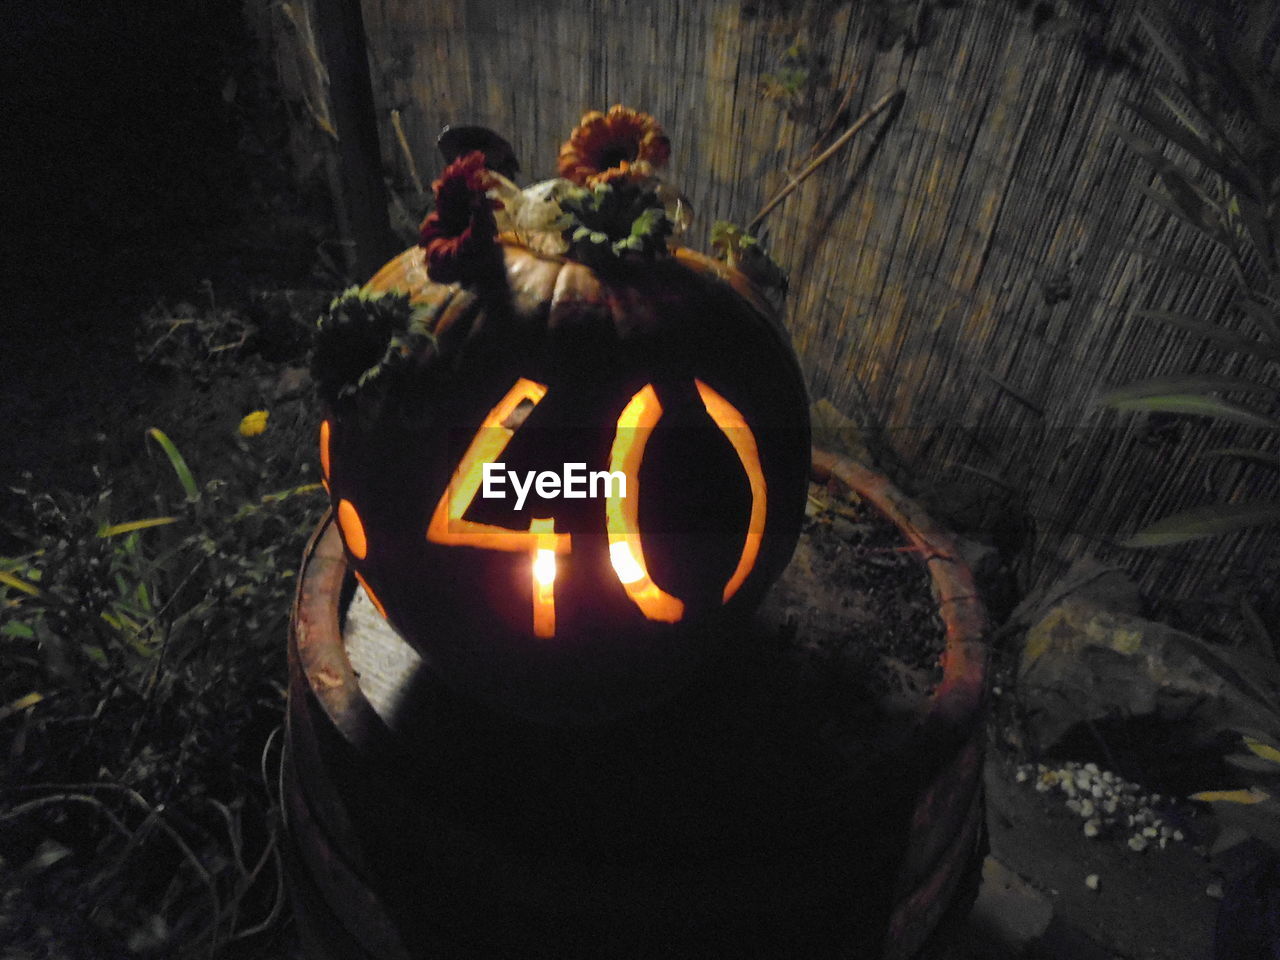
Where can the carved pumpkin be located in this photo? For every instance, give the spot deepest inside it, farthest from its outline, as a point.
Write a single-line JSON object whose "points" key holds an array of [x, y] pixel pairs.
{"points": [[671, 389], [675, 376]]}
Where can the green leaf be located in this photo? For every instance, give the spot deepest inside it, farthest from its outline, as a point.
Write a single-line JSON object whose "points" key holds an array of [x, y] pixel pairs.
{"points": [[19, 630], [1187, 136], [1185, 201], [22, 703], [1199, 523], [1266, 751], [1175, 59], [1185, 384], [179, 464], [1229, 339], [1196, 405]]}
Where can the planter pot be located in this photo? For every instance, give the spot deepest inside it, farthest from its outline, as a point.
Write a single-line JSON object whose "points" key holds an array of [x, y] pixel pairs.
{"points": [[439, 829]]}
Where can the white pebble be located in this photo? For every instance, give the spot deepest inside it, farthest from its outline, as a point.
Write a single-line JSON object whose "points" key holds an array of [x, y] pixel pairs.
{"points": [[1214, 889], [1150, 832], [1092, 828], [1086, 808], [1098, 791], [1020, 776], [1137, 843], [1092, 881], [1074, 805], [1178, 835]]}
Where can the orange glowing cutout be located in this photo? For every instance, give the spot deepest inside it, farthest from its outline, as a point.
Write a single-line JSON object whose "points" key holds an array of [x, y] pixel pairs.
{"points": [[735, 429], [622, 514], [373, 597], [626, 549], [352, 529], [324, 453], [540, 541], [447, 523]]}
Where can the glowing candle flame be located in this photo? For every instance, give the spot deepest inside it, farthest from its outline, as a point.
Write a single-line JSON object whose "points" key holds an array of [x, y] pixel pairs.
{"points": [[544, 567], [544, 577]]}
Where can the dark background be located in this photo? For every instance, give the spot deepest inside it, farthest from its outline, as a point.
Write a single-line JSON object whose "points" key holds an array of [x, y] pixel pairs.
{"points": [[142, 160]]}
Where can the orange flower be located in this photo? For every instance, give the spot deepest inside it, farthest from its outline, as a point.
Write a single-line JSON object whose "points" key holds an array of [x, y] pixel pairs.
{"points": [[621, 144]]}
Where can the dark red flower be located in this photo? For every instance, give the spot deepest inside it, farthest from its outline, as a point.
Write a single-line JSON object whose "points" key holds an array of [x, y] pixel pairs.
{"points": [[461, 231]]}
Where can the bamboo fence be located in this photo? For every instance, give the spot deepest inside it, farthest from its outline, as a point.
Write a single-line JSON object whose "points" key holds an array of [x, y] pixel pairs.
{"points": [[963, 273]]}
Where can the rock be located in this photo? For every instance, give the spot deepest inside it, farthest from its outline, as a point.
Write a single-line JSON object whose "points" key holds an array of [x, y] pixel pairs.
{"points": [[1087, 579], [1009, 909], [1085, 663]]}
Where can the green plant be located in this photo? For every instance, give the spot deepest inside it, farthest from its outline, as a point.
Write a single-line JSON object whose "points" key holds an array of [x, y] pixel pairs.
{"points": [[1221, 109], [137, 707]]}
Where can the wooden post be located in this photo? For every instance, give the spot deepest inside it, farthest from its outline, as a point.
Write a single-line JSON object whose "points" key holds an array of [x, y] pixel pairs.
{"points": [[371, 243]]}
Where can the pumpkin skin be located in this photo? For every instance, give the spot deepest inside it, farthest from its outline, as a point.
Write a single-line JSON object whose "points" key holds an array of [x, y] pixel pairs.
{"points": [[722, 478]]}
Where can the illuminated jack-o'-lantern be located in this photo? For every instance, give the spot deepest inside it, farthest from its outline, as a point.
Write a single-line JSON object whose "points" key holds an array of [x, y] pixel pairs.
{"points": [[564, 486]]}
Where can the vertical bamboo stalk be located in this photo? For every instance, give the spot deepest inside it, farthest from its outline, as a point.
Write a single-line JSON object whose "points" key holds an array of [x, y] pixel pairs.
{"points": [[340, 26]]}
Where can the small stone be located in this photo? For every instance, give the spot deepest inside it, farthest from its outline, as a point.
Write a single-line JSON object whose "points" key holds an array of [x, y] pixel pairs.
{"points": [[1137, 843], [1074, 805], [1150, 832], [1214, 889], [1092, 768], [1093, 881], [1020, 776], [1109, 806], [1098, 791], [1086, 808], [1178, 835], [1092, 828]]}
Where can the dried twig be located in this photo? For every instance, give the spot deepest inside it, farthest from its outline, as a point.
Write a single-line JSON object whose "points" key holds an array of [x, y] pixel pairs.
{"points": [[398, 126], [823, 157]]}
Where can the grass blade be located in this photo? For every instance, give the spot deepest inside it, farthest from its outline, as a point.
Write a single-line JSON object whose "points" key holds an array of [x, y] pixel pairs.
{"points": [[180, 467], [116, 529], [1196, 405], [17, 583], [1185, 384], [1200, 523]]}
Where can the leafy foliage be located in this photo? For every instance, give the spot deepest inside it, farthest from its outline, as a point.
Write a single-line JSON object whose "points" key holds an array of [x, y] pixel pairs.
{"points": [[363, 336], [1219, 108], [143, 660], [610, 221]]}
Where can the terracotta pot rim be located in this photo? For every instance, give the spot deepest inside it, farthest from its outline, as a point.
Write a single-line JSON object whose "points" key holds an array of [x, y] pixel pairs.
{"points": [[957, 701]]}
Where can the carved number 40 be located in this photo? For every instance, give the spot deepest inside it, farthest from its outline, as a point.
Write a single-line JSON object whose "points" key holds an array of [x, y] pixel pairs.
{"points": [[626, 551]]}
